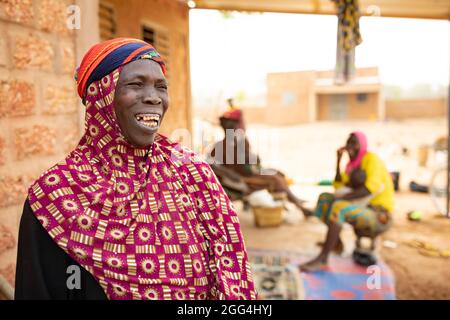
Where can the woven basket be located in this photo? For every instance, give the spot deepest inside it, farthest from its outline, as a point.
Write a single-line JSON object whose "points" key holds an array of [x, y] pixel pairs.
{"points": [[268, 217]]}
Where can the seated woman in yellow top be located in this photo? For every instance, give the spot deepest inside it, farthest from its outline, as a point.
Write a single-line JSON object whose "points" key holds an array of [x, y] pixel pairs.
{"points": [[367, 220]]}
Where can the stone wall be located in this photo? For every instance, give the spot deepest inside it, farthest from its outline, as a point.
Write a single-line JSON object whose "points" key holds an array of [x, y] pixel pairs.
{"points": [[39, 120]]}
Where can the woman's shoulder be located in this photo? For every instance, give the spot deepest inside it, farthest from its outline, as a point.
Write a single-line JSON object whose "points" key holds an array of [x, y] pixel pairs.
{"points": [[370, 156], [372, 160], [55, 177]]}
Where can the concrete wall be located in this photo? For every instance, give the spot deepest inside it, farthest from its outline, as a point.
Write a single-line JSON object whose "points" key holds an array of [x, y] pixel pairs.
{"points": [[423, 108], [367, 110], [172, 17], [356, 110], [39, 119], [256, 115], [290, 98]]}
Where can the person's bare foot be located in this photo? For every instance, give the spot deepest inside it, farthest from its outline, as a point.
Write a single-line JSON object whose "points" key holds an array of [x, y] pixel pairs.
{"points": [[313, 265], [307, 213], [338, 249]]}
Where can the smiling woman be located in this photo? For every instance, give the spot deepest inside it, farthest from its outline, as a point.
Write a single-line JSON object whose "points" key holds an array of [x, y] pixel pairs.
{"points": [[134, 210], [141, 100]]}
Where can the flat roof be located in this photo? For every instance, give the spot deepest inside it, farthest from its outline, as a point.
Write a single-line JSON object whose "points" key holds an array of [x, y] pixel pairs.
{"points": [[427, 9]]}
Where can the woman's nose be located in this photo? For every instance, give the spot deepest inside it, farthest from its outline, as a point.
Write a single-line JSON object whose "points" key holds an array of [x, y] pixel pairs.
{"points": [[151, 97]]}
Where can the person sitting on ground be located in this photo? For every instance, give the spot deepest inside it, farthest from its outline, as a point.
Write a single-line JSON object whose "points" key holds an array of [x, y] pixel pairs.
{"points": [[367, 220]]}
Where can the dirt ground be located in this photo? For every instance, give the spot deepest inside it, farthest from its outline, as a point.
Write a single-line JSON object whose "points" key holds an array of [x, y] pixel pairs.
{"points": [[418, 276], [306, 153]]}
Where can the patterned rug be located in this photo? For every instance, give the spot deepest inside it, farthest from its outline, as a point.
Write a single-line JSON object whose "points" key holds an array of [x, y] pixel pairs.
{"points": [[277, 278]]}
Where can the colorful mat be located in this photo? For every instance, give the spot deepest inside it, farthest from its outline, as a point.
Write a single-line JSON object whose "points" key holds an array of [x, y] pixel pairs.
{"points": [[277, 277]]}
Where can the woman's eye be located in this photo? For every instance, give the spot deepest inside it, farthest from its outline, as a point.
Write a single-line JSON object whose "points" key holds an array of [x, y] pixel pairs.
{"points": [[135, 84]]}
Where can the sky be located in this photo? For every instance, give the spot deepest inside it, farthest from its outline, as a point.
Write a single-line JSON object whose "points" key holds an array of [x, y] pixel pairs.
{"points": [[235, 54]]}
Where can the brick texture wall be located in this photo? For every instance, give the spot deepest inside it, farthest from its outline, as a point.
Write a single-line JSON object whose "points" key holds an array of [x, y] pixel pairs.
{"points": [[39, 119]]}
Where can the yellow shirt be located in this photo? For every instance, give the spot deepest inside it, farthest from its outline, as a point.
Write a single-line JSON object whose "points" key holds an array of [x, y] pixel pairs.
{"points": [[378, 181]]}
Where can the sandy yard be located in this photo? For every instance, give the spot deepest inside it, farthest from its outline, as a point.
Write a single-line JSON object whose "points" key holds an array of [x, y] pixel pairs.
{"points": [[306, 153]]}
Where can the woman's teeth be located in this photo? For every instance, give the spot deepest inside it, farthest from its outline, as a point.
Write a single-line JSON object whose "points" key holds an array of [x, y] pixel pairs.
{"points": [[149, 120]]}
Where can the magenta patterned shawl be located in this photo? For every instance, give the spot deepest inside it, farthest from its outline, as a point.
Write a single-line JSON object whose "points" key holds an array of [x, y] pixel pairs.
{"points": [[146, 223]]}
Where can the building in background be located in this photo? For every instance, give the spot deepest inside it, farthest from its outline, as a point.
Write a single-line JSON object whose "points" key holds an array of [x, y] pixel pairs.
{"points": [[309, 96]]}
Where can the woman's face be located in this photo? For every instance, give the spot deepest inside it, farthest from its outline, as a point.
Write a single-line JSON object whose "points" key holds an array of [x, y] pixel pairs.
{"points": [[140, 101], [228, 123], [352, 146]]}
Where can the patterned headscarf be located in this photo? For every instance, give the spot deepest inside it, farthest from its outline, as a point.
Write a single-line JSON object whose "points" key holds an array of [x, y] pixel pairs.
{"points": [[355, 163], [104, 57], [147, 223]]}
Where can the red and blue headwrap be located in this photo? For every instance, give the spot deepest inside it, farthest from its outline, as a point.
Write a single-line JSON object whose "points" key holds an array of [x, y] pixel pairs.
{"points": [[104, 57]]}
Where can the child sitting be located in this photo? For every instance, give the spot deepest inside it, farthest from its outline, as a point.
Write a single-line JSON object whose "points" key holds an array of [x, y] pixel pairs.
{"points": [[357, 179]]}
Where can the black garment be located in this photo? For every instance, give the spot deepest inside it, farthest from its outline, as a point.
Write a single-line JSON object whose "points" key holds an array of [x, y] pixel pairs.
{"points": [[42, 272]]}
